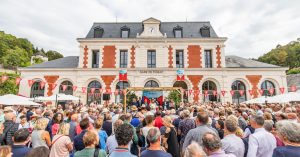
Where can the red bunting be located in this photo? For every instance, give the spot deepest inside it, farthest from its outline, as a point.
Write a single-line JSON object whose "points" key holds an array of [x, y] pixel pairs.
{"points": [[293, 88], [4, 78], [232, 92], [108, 91], [42, 84], [83, 89], [241, 92], [30, 83], [215, 93], [223, 92], [64, 87], [190, 91], [281, 90], [74, 88], [271, 91], [205, 92], [93, 90], [100, 90], [18, 80], [250, 92], [116, 92], [261, 91]]}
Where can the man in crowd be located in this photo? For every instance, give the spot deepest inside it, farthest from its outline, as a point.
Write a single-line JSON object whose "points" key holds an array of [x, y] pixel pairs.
{"points": [[261, 143], [231, 143], [123, 134], [154, 149], [241, 120], [10, 127], [78, 140], [21, 138], [212, 146], [197, 133]]}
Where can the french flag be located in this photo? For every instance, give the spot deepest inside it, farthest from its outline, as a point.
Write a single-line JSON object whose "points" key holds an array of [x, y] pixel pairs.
{"points": [[123, 75]]}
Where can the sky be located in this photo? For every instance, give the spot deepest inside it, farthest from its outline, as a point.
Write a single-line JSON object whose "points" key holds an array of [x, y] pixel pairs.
{"points": [[252, 27]]}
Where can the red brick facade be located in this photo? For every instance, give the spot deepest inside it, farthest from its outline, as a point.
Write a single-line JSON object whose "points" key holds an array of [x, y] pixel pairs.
{"points": [[132, 57], [51, 79], [85, 57], [218, 54], [109, 57], [170, 57], [108, 79], [194, 56], [254, 79], [195, 79]]}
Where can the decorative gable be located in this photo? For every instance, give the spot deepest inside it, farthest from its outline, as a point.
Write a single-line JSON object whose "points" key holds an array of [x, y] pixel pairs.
{"points": [[151, 29]]}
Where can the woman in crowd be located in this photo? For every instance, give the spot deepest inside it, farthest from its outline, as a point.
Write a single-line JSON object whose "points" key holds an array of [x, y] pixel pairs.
{"points": [[169, 137], [101, 133], [38, 152], [61, 143], [5, 151], [107, 124], [149, 121], [220, 128], [57, 119], [290, 135], [39, 136], [90, 140]]}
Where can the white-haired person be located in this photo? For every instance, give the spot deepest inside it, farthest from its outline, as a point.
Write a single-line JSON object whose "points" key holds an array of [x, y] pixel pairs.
{"points": [[289, 133], [194, 150], [61, 142]]}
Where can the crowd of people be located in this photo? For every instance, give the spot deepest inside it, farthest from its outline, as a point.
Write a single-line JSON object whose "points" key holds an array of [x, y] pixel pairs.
{"points": [[151, 130]]}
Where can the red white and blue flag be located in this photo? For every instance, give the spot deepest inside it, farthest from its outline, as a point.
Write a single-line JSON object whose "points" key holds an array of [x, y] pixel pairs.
{"points": [[123, 75], [180, 75]]}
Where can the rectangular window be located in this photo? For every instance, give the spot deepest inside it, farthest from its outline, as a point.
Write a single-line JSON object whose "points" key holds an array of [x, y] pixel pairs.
{"points": [[208, 59], [151, 59], [95, 59], [179, 59], [125, 33], [123, 59], [178, 33]]}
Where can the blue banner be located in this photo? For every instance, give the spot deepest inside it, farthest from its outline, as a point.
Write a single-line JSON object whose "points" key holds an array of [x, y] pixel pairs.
{"points": [[152, 94]]}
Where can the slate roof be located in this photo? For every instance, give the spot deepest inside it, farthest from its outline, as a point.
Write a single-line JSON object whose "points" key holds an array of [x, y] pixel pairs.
{"points": [[189, 29], [239, 62], [231, 62], [66, 62]]}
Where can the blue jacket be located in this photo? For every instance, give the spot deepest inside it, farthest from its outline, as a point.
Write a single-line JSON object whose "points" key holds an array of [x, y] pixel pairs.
{"points": [[78, 141], [19, 150]]}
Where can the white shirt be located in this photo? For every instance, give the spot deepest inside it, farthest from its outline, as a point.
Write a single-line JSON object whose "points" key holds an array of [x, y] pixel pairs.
{"points": [[261, 144], [232, 144]]}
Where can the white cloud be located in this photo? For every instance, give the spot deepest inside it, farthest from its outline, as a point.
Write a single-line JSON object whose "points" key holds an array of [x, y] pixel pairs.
{"points": [[252, 27]]}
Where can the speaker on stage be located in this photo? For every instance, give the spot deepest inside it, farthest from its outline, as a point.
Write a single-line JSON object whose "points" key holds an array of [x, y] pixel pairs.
{"points": [[106, 96]]}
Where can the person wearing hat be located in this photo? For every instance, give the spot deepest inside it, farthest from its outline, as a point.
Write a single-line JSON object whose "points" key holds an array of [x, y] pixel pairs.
{"points": [[134, 108]]}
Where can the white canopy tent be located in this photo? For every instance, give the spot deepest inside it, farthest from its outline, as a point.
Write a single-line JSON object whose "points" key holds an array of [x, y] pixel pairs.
{"points": [[283, 98], [58, 97], [11, 99]]}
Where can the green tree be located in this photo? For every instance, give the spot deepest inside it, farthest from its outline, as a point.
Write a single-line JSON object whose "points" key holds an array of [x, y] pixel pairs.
{"points": [[9, 86], [37, 60], [16, 57], [52, 55], [129, 97], [175, 96]]}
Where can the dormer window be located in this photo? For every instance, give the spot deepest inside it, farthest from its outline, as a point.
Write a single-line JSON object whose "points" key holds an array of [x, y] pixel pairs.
{"points": [[98, 32], [125, 32], [205, 31], [177, 31]]}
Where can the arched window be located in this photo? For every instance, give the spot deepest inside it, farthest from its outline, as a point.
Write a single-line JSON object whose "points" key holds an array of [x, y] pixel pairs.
{"points": [[98, 32], [177, 31], [69, 89], [125, 32], [236, 86], [96, 95], [36, 90], [210, 87], [183, 85], [120, 86], [266, 85], [151, 83]]}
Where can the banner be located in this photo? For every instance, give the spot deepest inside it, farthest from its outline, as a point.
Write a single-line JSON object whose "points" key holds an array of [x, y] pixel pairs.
{"points": [[180, 75], [4, 78], [250, 92], [293, 88], [30, 83], [42, 84], [261, 91], [18, 80], [271, 91], [123, 75], [223, 92], [74, 88], [281, 90], [64, 87]]}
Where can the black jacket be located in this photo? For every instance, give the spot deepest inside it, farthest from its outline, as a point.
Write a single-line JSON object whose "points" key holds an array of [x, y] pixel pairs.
{"points": [[10, 127]]}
